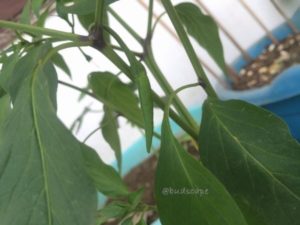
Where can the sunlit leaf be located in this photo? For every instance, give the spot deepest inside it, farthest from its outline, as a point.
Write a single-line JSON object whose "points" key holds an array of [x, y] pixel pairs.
{"points": [[203, 29], [186, 192], [253, 153]]}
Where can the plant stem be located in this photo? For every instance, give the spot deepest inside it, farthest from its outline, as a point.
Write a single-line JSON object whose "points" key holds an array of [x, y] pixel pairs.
{"points": [[158, 75], [138, 54], [188, 46], [34, 30], [136, 36], [118, 61], [172, 96], [78, 89], [167, 88], [99, 13], [150, 15]]}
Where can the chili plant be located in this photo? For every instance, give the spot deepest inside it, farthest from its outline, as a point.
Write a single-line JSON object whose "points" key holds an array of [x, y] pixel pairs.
{"points": [[249, 168]]}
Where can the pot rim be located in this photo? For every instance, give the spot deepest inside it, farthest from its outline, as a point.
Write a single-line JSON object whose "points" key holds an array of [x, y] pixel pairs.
{"points": [[284, 86]]}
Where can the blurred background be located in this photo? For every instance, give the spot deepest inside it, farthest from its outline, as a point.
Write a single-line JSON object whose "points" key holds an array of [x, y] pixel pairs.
{"points": [[168, 53]]}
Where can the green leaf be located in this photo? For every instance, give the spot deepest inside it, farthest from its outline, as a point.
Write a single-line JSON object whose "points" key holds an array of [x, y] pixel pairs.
{"points": [[145, 94], [253, 153], [109, 129], [204, 29], [16, 70], [79, 7], [4, 108], [114, 210], [32, 6], [109, 89], [128, 221], [105, 178], [186, 192], [142, 222], [25, 16], [36, 6], [42, 171], [59, 61]]}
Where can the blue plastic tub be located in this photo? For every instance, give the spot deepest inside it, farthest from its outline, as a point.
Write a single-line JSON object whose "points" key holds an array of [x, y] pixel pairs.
{"points": [[282, 96]]}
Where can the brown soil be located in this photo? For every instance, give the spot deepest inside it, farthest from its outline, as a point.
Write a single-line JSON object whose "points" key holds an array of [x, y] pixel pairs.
{"points": [[275, 59], [143, 175]]}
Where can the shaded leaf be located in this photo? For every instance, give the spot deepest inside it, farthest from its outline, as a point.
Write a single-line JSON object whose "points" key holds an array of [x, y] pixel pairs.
{"points": [[32, 6], [4, 108], [79, 7], [25, 16], [42, 171], [139, 74], [105, 178], [204, 29], [16, 69], [253, 153], [128, 221], [59, 61], [109, 129], [145, 94], [109, 89], [186, 192], [114, 210]]}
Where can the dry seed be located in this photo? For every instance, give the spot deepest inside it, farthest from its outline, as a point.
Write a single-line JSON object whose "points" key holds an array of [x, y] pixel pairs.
{"points": [[263, 70], [264, 78], [250, 73], [271, 47], [242, 72], [251, 83]]}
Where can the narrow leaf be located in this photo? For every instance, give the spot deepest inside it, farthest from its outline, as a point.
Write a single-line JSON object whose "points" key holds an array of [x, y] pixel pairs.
{"points": [[145, 94], [253, 153], [105, 178], [204, 29], [25, 16], [59, 61], [79, 7], [110, 90], [109, 129], [186, 192]]}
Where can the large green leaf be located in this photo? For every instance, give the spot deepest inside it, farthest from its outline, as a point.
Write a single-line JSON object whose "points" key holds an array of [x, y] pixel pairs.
{"points": [[109, 129], [42, 172], [253, 153], [105, 178], [115, 94], [204, 29], [16, 69], [186, 192], [4, 108]]}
